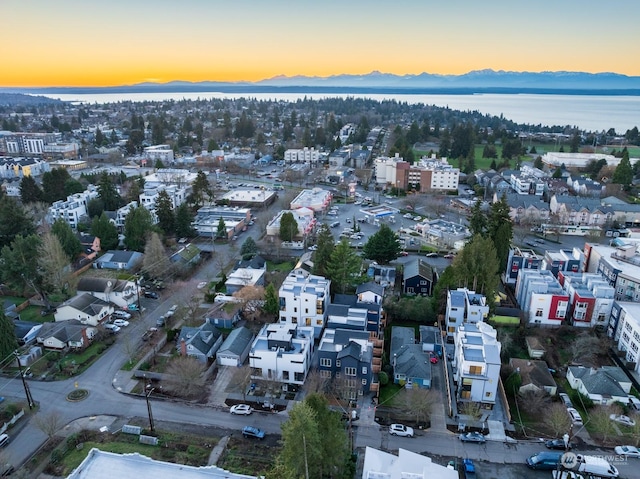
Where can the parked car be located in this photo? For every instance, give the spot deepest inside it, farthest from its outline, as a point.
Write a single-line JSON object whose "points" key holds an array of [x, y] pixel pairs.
{"points": [[112, 327], [433, 358], [172, 311], [250, 431], [121, 323], [564, 397], [469, 469], [432, 255], [313, 248], [160, 321], [202, 284], [121, 314], [4, 440], [400, 430], [472, 437], [622, 419], [557, 444], [243, 409], [629, 451], [151, 294], [404, 253], [575, 416]]}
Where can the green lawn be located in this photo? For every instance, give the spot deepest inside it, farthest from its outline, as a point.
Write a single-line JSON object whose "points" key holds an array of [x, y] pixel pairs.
{"points": [[388, 392], [283, 267]]}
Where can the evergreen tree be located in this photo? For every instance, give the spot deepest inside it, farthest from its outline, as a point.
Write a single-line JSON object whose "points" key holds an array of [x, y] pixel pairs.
{"points": [[557, 174], [288, 227], [108, 193], [19, 269], [95, 207], [343, 267], [164, 212], [14, 221], [325, 243], [477, 267], [72, 187], [500, 229], [222, 229], [478, 219], [201, 190], [623, 174], [137, 225], [383, 246], [248, 249], [8, 342], [68, 240], [53, 184], [103, 228], [184, 222], [271, 300], [30, 192], [57, 276]]}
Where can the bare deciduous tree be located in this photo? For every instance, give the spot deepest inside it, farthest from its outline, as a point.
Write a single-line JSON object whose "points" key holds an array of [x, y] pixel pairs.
{"points": [[471, 409], [242, 377], [557, 419], [600, 421], [585, 347], [533, 401], [184, 377], [252, 299], [418, 402], [49, 423], [315, 383]]}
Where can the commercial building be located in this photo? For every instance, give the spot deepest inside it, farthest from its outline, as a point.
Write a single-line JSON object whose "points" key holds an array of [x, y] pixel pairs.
{"points": [[304, 217], [315, 199], [250, 197], [208, 218]]}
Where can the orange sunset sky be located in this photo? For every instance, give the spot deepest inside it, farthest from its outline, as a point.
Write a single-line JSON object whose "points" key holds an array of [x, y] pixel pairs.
{"points": [[115, 42]]}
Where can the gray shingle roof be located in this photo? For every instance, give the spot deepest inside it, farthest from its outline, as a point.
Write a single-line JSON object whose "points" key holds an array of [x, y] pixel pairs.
{"points": [[370, 286], [236, 342], [604, 381]]}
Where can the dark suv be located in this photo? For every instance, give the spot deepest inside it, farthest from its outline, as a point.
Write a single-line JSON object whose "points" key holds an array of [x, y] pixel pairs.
{"points": [[151, 294]]}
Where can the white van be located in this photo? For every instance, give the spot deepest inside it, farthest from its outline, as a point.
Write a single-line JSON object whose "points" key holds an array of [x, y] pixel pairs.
{"points": [[4, 440], [596, 466]]}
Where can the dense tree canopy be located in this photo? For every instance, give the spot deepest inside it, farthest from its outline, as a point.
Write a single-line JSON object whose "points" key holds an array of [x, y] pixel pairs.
{"points": [[137, 225], [383, 246], [623, 174], [68, 240], [104, 229], [164, 212], [8, 342], [30, 192], [184, 222], [343, 267], [108, 193], [14, 221], [288, 227], [326, 245]]}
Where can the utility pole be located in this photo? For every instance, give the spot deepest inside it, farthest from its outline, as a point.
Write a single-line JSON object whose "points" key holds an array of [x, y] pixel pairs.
{"points": [[147, 393], [27, 391]]}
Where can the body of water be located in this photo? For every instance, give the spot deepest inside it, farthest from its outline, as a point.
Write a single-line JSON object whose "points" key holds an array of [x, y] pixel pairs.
{"points": [[592, 113]]}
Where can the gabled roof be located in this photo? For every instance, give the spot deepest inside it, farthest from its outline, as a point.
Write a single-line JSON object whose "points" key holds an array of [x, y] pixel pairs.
{"points": [[63, 331], [534, 372], [370, 287], [401, 335], [101, 285], [202, 338], [117, 256], [257, 262], [237, 341], [22, 328], [352, 349], [604, 381], [86, 303], [411, 361], [417, 267]]}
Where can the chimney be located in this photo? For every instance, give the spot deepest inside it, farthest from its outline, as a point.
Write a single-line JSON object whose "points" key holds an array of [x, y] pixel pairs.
{"points": [[85, 339], [183, 347]]}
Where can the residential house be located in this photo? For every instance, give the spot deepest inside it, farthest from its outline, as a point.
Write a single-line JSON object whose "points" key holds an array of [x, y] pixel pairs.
{"points": [[541, 298], [347, 355], [382, 275], [117, 291], [563, 261], [477, 364], [419, 277], [66, 334], [576, 210], [282, 352], [26, 331], [247, 273], [535, 376], [235, 349], [370, 293], [225, 314], [590, 298], [85, 308], [201, 343], [606, 385], [464, 306], [120, 260], [525, 209], [431, 339], [346, 312], [407, 464], [187, 256], [304, 300], [520, 259], [411, 365], [583, 186], [535, 349]]}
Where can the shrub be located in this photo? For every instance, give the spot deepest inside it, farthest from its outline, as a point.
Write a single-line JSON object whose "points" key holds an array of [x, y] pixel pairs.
{"points": [[383, 378]]}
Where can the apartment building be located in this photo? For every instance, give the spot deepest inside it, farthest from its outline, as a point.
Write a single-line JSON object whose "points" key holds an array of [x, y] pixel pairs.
{"points": [[624, 329], [590, 298], [163, 153], [23, 143], [620, 266], [520, 259], [304, 217], [304, 300], [526, 182], [74, 208], [149, 197], [541, 298], [477, 361], [208, 218], [12, 167], [282, 353], [305, 155], [464, 306]]}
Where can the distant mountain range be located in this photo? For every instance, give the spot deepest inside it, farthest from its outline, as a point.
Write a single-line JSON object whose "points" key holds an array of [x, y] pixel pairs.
{"points": [[481, 81]]}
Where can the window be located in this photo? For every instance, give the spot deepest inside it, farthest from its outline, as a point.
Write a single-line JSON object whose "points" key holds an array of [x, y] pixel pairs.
{"points": [[307, 321], [295, 309], [364, 370], [325, 374], [350, 371], [423, 282], [325, 362], [488, 394], [364, 382], [285, 375], [538, 312], [338, 362], [475, 370], [306, 310], [318, 322], [294, 319]]}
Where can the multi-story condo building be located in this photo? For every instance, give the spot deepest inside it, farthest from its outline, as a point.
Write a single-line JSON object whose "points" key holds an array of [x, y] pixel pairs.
{"points": [[303, 216], [304, 300], [426, 176], [163, 153], [590, 298], [464, 306], [541, 297], [347, 356], [149, 196], [563, 261], [208, 218], [305, 155], [477, 361], [520, 259], [282, 353], [624, 328], [528, 181], [11, 167], [74, 208], [22, 143], [620, 265], [386, 169]]}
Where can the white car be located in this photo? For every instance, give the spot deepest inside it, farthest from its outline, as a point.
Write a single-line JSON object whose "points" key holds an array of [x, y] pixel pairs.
{"points": [[121, 323], [629, 451], [112, 327], [121, 314], [243, 409], [575, 416], [313, 248], [622, 419], [202, 284], [172, 311], [400, 430]]}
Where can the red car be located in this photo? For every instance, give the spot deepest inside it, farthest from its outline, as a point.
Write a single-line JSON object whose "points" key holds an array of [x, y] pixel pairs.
{"points": [[433, 358], [404, 253], [449, 256]]}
